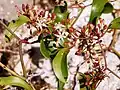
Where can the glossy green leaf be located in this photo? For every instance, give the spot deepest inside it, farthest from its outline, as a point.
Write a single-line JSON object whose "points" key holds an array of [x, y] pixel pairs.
{"points": [[15, 24], [97, 8], [61, 13], [108, 8], [12, 80], [115, 24], [20, 21], [57, 9], [61, 17], [61, 9], [60, 64], [44, 50]]}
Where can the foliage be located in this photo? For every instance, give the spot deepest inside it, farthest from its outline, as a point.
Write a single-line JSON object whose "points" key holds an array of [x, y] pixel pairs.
{"points": [[12, 80], [115, 24], [16, 24], [56, 39], [60, 64]]}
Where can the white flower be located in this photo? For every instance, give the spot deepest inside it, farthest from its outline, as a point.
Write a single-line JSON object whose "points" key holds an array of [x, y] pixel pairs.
{"points": [[62, 33], [41, 23], [61, 36], [60, 27]]}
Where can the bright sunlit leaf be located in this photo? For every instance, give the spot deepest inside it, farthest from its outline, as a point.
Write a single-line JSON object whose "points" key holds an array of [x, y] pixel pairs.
{"points": [[61, 13], [108, 8], [61, 17], [12, 80], [97, 8], [115, 24], [21, 20], [60, 64], [15, 24]]}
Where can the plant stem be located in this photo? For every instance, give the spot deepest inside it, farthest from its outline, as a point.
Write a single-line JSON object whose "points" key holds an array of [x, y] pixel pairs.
{"points": [[115, 52], [21, 59], [8, 51], [15, 74], [103, 53], [32, 86], [74, 83], [20, 48], [113, 73], [10, 71], [74, 21], [114, 39]]}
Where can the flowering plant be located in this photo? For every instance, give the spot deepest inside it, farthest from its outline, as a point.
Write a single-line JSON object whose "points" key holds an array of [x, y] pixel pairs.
{"points": [[57, 36]]}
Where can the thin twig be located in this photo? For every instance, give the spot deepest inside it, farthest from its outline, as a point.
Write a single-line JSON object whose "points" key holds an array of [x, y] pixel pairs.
{"points": [[112, 44], [115, 52], [113, 73], [32, 86], [98, 83], [15, 74], [10, 71], [74, 21], [20, 48], [103, 53], [74, 83], [21, 59], [8, 51]]}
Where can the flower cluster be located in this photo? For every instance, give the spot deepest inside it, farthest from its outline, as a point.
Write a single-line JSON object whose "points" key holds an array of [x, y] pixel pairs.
{"points": [[88, 42], [39, 18], [87, 39], [91, 80]]}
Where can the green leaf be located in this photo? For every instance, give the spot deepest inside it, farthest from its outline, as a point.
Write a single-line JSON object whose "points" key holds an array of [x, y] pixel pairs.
{"points": [[61, 13], [60, 64], [108, 8], [44, 50], [60, 85], [115, 24], [61, 9], [97, 8], [20, 21], [17, 23], [57, 9], [12, 80], [61, 17]]}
